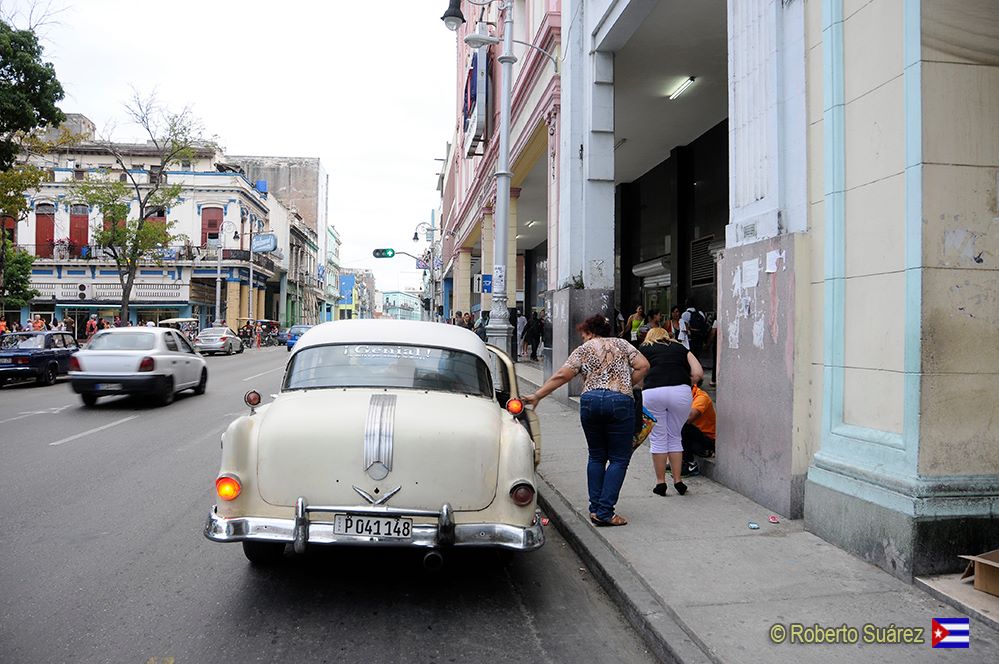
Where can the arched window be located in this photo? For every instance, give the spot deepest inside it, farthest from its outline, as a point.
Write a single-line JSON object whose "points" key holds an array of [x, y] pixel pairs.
{"points": [[44, 229], [79, 228]]}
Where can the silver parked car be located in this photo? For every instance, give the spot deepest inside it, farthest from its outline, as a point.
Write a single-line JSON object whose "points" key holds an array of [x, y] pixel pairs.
{"points": [[218, 340], [134, 360]]}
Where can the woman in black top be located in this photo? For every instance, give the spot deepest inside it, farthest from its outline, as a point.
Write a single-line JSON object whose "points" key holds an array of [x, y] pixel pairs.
{"points": [[667, 395]]}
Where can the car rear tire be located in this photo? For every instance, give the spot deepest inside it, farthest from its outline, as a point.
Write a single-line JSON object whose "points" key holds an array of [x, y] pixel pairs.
{"points": [[263, 553], [49, 376], [228, 349], [89, 400], [203, 383], [166, 396]]}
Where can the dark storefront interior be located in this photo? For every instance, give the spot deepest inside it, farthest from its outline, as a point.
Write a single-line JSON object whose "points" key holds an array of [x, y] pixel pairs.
{"points": [[668, 222]]}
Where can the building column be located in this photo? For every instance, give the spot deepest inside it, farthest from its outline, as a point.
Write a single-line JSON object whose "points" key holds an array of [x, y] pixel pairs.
{"points": [[511, 253], [232, 303], [258, 307], [244, 301], [584, 269], [282, 312], [554, 133], [462, 282], [488, 227]]}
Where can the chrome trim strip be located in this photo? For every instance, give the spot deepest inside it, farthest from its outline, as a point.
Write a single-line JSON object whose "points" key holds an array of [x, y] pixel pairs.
{"points": [[379, 431], [495, 535]]}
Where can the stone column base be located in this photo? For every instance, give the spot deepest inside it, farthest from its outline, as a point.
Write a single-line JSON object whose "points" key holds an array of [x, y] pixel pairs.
{"points": [[569, 307], [900, 540]]}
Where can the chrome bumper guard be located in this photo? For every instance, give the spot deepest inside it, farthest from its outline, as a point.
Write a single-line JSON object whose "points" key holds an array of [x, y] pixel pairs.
{"points": [[301, 531]]}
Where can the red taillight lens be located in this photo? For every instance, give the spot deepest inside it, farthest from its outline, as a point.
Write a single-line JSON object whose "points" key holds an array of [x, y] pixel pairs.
{"points": [[147, 364], [515, 406], [21, 360], [252, 398], [74, 364], [522, 495], [223, 338], [228, 487]]}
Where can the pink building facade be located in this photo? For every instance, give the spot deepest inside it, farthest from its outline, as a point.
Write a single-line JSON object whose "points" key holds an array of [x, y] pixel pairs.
{"points": [[469, 185]]}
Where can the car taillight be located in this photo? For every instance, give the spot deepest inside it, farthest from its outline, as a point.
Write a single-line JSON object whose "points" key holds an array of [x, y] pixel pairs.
{"points": [[223, 338], [74, 364], [522, 494], [228, 487], [21, 360], [515, 406], [146, 364]]}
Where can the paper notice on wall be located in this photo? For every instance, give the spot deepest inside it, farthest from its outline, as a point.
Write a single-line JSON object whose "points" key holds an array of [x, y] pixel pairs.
{"points": [[733, 334], [773, 257], [751, 273], [759, 327], [737, 281], [499, 279]]}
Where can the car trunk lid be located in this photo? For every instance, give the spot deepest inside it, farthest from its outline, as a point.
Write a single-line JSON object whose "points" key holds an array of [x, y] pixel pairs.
{"points": [[438, 447], [110, 361]]}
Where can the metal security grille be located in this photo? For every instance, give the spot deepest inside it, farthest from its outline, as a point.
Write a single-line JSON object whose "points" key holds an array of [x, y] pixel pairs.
{"points": [[702, 265]]}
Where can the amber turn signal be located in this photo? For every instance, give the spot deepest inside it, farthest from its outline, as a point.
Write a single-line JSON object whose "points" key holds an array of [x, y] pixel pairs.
{"points": [[252, 398], [515, 406], [227, 486]]}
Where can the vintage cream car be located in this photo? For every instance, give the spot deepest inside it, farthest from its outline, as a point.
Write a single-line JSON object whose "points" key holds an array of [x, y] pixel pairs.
{"points": [[385, 433]]}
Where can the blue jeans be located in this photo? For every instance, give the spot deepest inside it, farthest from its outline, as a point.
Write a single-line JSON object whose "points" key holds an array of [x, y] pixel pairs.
{"points": [[608, 420]]}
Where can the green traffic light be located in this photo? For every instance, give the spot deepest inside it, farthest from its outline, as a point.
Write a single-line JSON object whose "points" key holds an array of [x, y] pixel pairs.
{"points": [[383, 253]]}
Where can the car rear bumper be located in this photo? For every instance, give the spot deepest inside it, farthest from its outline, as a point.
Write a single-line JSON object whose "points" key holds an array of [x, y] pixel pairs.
{"points": [[301, 531], [118, 383], [210, 348], [10, 371]]}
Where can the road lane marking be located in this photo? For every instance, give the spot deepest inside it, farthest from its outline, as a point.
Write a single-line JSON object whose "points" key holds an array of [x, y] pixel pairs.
{"points": [[262, 373], [29, 413], [87, 433], [19, 417]]}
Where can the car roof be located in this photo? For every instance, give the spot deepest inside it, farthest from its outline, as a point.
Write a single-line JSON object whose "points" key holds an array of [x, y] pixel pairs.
{"points": [[141, 328], [401, 332]]}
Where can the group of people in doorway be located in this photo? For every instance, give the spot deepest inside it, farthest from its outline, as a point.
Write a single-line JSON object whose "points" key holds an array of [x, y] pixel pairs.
{"points": [[625, 370], [691, 327]]}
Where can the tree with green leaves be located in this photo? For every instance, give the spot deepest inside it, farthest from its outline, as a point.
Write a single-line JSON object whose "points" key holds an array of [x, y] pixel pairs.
{"points": [[15, 265], [128, 233], [29, 91]]}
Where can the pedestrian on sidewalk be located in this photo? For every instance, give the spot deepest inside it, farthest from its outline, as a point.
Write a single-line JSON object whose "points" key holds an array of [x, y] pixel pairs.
{"points": [[532, 334], [698, 433], [521, 326], [666, 393], [634, 322], [610, 367]]}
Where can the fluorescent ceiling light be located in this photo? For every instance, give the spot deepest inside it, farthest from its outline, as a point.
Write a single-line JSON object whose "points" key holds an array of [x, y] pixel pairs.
{"points": [[683, 86]]}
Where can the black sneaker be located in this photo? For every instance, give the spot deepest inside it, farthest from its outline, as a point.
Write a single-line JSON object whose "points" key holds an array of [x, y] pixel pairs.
{"points": [[680, 487], [660, 489], [690, 469]]}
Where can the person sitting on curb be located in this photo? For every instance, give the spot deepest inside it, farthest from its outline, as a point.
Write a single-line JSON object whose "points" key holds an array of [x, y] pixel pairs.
{"points": [[698, 433]]}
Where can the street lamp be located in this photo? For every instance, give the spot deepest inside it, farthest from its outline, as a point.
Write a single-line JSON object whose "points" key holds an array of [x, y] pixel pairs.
{"points": [[218, 271], [254, 221], [498, 330]]}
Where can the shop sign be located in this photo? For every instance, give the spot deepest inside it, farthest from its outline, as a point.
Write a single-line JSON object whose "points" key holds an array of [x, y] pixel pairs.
{"points": [[474, 101]]}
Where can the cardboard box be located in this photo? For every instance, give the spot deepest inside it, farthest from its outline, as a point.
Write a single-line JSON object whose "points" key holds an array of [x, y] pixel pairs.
{"points": [[985, 569]]}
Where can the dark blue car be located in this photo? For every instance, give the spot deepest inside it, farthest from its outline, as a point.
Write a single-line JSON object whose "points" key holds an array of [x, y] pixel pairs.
{"points": [[39, 356], [294, 333]]}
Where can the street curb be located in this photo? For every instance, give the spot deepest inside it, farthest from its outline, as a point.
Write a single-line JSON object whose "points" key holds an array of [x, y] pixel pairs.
{"points": [[655, 622]]}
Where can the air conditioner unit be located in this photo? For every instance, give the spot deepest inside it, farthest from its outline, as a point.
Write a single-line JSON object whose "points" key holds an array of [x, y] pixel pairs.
{"points": [[84, 292]]}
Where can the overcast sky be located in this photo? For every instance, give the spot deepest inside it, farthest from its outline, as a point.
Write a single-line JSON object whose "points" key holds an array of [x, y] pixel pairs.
{"points": [[367, 86]]}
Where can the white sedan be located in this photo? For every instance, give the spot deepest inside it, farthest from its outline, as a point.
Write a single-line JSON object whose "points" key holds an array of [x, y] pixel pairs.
{"points": [[154, 361], [385, 433]]}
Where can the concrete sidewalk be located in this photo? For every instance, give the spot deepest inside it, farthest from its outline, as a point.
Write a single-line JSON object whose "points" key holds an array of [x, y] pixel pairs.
{"points": [[700, 586]]}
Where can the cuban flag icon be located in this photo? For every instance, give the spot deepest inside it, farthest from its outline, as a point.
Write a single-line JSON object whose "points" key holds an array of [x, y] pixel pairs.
{"points": [[950, 632]]}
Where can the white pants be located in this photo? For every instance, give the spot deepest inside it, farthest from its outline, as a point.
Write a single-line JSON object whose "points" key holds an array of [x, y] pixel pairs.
{"points": [[670, 406]]}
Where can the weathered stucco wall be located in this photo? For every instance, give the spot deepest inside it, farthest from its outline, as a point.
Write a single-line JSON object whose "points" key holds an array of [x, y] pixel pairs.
{"points": [[763, 434]]}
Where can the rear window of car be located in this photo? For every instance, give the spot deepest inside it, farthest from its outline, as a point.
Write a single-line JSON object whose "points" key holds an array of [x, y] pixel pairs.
{"points": [[392, 366], [22, 341], [298, 330], [123, 341], [215, 332]]}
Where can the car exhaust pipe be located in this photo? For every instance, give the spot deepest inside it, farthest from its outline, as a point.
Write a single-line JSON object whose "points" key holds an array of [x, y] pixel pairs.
{"points": [[433, 561]]}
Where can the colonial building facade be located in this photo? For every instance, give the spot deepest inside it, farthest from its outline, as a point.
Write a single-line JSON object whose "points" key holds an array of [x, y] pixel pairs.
{"points": [[820, 175]]}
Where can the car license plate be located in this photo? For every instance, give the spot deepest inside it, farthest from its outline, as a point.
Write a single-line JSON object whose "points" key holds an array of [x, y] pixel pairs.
{"points": [[398, 528], [108, 387]]}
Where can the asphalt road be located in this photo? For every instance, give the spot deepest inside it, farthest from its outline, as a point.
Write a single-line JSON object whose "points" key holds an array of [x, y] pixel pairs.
{"points": [[102, 557]]}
